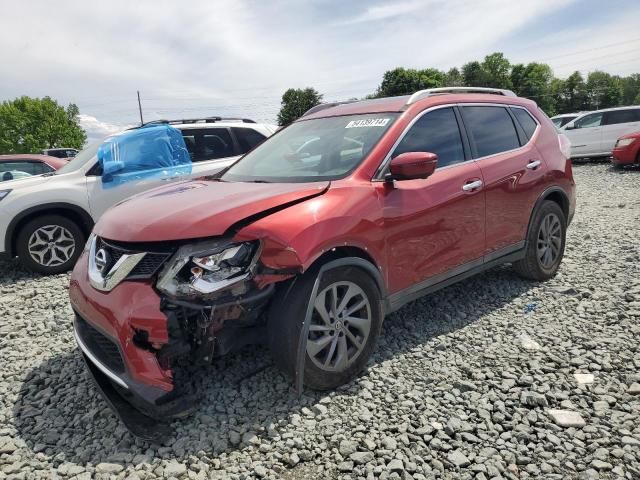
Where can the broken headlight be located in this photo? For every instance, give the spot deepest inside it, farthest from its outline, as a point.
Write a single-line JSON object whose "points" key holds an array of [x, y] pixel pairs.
{"points": [[207, 268]]}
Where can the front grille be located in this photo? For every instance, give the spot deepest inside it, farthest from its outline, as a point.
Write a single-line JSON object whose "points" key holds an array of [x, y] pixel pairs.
{"points": [[146, 268], [102, 347]]}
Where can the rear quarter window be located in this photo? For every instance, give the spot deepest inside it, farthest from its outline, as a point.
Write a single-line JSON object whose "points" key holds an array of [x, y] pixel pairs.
{"points": [[615, 117], [491, 129], [525, 120]]}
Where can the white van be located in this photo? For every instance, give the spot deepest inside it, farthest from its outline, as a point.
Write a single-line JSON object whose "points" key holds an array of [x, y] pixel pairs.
{"points": [[594, 134]]}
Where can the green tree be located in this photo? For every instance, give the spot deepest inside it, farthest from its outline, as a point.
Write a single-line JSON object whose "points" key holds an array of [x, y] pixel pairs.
{"points": [[630, 89], [572, 94], [405, 81], [454, 78], [474, 75], [534, 81], [295, 102], [28, 125], [517, 77], [604, 90], [497, 69]]}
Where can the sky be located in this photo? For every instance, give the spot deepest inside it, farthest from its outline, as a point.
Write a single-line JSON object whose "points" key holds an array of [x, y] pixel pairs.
{"points": [[237, 57]]}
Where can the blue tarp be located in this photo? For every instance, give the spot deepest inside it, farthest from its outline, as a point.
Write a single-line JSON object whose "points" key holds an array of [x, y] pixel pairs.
{"points": [[154, 151]]}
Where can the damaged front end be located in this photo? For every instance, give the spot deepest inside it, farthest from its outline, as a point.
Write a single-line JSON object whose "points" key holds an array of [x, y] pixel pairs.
{"points": [[200, 302]]}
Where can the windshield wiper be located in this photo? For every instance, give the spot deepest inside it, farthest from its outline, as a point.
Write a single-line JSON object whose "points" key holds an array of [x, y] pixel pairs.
{"points": [[259, 181]]}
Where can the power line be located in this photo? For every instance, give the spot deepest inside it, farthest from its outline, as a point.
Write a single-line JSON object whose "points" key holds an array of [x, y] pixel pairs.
{"points": [[544, 59]]}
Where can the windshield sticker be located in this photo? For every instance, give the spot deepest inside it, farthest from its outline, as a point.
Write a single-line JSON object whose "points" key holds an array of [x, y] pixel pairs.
{"points": [[371, 122]]}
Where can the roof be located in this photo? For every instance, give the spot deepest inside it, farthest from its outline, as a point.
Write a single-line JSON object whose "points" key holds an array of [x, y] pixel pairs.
{"points": [[49, 160], [403, 103]]}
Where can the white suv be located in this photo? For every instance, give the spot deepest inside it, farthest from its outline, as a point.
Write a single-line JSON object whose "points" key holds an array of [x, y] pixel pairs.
{"points": [[45, 220], [594, 134]]}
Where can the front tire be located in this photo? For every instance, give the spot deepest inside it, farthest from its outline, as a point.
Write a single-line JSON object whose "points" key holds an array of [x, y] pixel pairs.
{"points": [[545, 243], [345, 324], [50, 244]]}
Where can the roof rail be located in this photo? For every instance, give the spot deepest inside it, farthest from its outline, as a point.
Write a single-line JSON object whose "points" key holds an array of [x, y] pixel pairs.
{"points": [[197, 120], [324, 106], [419, 95]]}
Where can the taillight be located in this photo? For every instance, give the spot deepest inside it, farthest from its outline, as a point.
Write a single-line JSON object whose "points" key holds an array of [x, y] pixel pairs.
{"points": [[565, 145]]}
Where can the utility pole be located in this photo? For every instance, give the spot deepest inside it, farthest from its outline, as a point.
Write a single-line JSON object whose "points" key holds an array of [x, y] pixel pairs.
{"points": [[140, 108]]}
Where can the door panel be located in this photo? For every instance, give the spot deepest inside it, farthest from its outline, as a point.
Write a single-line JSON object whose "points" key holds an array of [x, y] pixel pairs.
{"points": [[586, 138], [432, 225], [513, 175], [511, 190]]}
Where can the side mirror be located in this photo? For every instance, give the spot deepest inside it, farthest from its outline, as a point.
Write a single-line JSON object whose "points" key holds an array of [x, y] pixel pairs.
{"points": [[412, 165], [109, 169]]}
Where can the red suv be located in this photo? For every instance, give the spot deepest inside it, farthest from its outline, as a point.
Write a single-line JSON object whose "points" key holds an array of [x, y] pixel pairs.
{"points": [[309, 240]]}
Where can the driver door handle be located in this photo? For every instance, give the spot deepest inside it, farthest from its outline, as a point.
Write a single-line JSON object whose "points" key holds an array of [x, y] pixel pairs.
{"points": [[533, 164], [467, 187]]}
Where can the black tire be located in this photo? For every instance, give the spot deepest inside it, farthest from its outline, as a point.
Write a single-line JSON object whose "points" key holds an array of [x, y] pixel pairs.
{"points": [[286, 316], [532, 266], [67, 256]]}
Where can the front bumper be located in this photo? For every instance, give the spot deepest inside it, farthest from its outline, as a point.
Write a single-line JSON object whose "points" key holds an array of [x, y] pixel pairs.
{"points": [[135, 347], [627, 155]]}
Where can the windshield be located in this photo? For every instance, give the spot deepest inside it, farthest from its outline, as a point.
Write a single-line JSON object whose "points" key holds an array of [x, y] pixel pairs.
{"points": [[86, 155], [313, 150]]}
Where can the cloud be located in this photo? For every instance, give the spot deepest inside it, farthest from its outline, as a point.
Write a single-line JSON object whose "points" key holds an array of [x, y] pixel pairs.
{"points": [[383, 12], [237, 57], [97, 130]]}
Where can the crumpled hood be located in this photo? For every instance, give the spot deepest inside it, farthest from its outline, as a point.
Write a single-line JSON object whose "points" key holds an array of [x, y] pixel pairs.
{"points": [[197, 209]]}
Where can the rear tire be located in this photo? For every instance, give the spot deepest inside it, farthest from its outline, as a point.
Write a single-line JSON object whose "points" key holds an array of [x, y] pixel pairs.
{"points": [[340, 339], [545, 243], [50, 244]]}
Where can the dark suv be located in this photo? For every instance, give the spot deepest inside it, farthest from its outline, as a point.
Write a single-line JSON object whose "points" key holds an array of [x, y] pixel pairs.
{"points": [[309, 240]]}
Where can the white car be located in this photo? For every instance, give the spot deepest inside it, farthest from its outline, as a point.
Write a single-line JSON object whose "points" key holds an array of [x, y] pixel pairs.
{"points": [[594, 134], [561, 120], [45, 220]]}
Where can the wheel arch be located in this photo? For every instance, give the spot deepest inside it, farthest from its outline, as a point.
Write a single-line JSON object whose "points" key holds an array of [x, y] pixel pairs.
{"points": [[348, 255], [73, 212], [555, 194]]}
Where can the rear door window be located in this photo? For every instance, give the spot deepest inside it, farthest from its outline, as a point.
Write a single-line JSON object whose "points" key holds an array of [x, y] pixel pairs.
{"points": [[615, 117], [247, 138], [436, 132], [491, 128], [209, 143], [525, 120]]}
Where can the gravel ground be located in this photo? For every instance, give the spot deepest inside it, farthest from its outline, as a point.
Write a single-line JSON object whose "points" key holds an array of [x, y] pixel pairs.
{"points": [[479, 380]]}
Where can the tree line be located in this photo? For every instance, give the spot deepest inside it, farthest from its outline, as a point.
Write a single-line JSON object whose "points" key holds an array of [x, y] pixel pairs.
{"points": [[533, 80], [29, 125]]}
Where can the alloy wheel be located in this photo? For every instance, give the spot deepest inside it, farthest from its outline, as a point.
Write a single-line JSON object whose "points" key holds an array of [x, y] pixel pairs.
{"points": [[339, 327], [51, 245], [549, 240]]}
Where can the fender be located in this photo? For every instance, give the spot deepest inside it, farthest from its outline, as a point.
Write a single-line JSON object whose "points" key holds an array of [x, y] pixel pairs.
{"points": [[543, 196], [87, 221]]}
